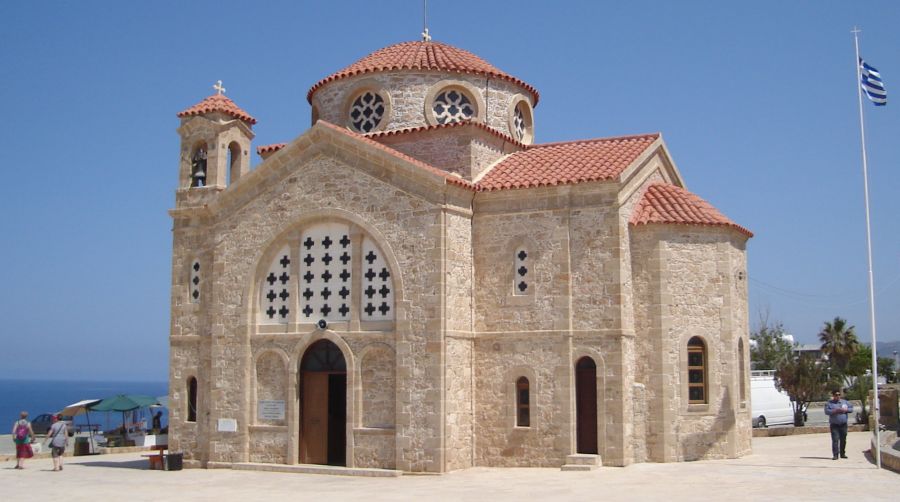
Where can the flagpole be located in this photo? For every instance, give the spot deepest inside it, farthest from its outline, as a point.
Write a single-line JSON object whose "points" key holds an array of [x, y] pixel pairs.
{"points": [[862, 130]]}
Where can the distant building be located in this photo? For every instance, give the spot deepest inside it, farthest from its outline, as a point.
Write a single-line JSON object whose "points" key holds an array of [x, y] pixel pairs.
{"points": [[809, 349]]}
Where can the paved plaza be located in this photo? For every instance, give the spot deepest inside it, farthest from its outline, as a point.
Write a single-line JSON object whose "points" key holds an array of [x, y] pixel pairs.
{"points": [[780, 468]]}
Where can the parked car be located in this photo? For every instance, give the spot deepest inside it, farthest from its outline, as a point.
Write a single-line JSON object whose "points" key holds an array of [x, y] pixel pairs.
{"points": [[41, 424], [768, 405]]}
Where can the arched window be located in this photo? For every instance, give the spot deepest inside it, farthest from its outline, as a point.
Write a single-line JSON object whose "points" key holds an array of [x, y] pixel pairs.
{"points": [[234, 162], [697, 388], [192, 399], [523, 403], [320, 285], [742, 370]]}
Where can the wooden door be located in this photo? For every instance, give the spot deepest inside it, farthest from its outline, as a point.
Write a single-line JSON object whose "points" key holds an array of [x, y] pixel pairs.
{"points": [[586, 405], [314, 428]]}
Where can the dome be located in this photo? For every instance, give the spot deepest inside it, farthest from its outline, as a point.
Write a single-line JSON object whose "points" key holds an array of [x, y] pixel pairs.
{"points": [[422, 56]]}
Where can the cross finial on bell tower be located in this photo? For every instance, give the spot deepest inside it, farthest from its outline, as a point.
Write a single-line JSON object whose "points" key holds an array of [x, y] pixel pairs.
{"points": [[218, 87]]}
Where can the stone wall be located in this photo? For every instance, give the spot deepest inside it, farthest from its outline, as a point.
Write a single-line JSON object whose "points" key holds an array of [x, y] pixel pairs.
{"points": [[408, 93], [292, 187], [499, 361], [377, 367], [374, 449], [688, 279], [271, 380], [465, 150], [459, 372], [268, 445], [434, 389]]}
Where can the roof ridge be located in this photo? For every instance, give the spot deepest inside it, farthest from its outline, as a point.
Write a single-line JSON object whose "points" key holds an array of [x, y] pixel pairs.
{"points": [[434, 127], [596, 140]]}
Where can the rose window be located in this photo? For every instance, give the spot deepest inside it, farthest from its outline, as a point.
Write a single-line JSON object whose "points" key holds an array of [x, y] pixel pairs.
{"points": [[452, 106], [367, 111], [519, 123]]}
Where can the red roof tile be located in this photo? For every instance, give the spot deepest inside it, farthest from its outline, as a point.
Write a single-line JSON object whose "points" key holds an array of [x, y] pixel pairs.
{"points": [[263, 149], [479, 125], [566, 163], [218, 103], [422, 56], [665, 203]]}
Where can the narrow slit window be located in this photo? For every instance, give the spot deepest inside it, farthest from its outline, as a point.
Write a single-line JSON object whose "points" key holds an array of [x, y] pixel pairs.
{"points": [[192, 400], [697, 388], [523, 403], [742, 379]]}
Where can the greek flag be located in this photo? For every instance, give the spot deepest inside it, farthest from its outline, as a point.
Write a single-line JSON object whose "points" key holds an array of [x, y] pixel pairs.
{"points": [[870, 80]]}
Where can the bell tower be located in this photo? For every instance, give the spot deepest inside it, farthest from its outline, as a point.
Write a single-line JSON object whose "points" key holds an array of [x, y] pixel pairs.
{"points": [[216, 136]]}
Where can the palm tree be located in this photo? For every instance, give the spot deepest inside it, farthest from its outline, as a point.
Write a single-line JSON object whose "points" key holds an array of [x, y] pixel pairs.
{"points": [[839, 343]]}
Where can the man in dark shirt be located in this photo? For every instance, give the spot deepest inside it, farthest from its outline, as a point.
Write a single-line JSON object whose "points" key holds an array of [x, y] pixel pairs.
{"points": [[837, 410]]}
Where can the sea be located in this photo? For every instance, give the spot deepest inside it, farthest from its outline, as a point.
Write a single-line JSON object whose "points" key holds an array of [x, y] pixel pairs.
{"points": [[50, 396]]}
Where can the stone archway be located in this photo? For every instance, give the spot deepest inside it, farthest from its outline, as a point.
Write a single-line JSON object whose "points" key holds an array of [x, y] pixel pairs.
{"points": [[323, 405]]}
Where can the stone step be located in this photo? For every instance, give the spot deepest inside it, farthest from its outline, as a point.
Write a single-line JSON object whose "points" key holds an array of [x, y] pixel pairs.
{"points": [[583, 459], [332, 470], [577, 467]]}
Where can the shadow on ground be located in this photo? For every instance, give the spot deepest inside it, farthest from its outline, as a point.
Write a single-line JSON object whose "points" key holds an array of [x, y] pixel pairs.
{"points": [[130, 464]]}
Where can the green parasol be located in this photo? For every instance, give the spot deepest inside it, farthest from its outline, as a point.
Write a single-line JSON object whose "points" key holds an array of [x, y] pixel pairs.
{"points": [[123, 402]]}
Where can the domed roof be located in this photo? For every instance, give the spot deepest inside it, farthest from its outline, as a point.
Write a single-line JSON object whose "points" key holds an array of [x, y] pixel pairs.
{"points": [[419, 55], [218, 103]]}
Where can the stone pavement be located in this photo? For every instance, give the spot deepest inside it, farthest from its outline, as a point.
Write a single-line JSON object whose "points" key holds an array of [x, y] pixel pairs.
{"points": [[780, 468]]}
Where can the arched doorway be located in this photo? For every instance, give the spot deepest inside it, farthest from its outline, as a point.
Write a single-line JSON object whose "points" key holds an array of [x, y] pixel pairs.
{"points": [[586, 405], [323, 405]]}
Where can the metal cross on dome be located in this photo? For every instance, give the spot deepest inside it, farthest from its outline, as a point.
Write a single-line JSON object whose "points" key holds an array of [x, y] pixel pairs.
{"points": [[426, 37], [218, 87]]}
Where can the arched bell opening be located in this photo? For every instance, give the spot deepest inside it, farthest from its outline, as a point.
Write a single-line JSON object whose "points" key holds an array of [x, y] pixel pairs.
{"points": [[199, 170], [323, 405]]}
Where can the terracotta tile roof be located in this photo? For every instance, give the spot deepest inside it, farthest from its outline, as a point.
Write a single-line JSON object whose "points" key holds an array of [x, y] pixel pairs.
{"points": [[462, 123], [417, 55], [218, 103], [274, 147], [449, 178], [566, 163], [665, 203]]}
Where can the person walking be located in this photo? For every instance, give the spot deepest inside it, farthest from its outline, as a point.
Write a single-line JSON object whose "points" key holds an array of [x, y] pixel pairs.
{"points": [[58, 435], [23, 436], [837, 410], [157, 422]]}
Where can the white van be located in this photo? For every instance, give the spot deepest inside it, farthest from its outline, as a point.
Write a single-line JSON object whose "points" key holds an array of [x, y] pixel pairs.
{"points": [[769, 406]]}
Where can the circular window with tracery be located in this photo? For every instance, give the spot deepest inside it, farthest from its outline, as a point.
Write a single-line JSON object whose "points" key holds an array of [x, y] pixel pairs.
{"points": [[521, 121], [367, 111], [453, 105]]}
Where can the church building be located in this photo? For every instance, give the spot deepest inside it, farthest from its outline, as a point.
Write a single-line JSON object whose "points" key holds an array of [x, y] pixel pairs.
{"points": [[415, 283]]}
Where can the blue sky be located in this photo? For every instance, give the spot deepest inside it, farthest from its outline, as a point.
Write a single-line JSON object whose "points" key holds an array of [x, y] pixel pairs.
{"points": [[755, 100]]}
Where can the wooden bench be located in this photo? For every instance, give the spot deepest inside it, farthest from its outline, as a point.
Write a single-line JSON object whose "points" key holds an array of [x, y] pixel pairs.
{"points": [[158, 457]]}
